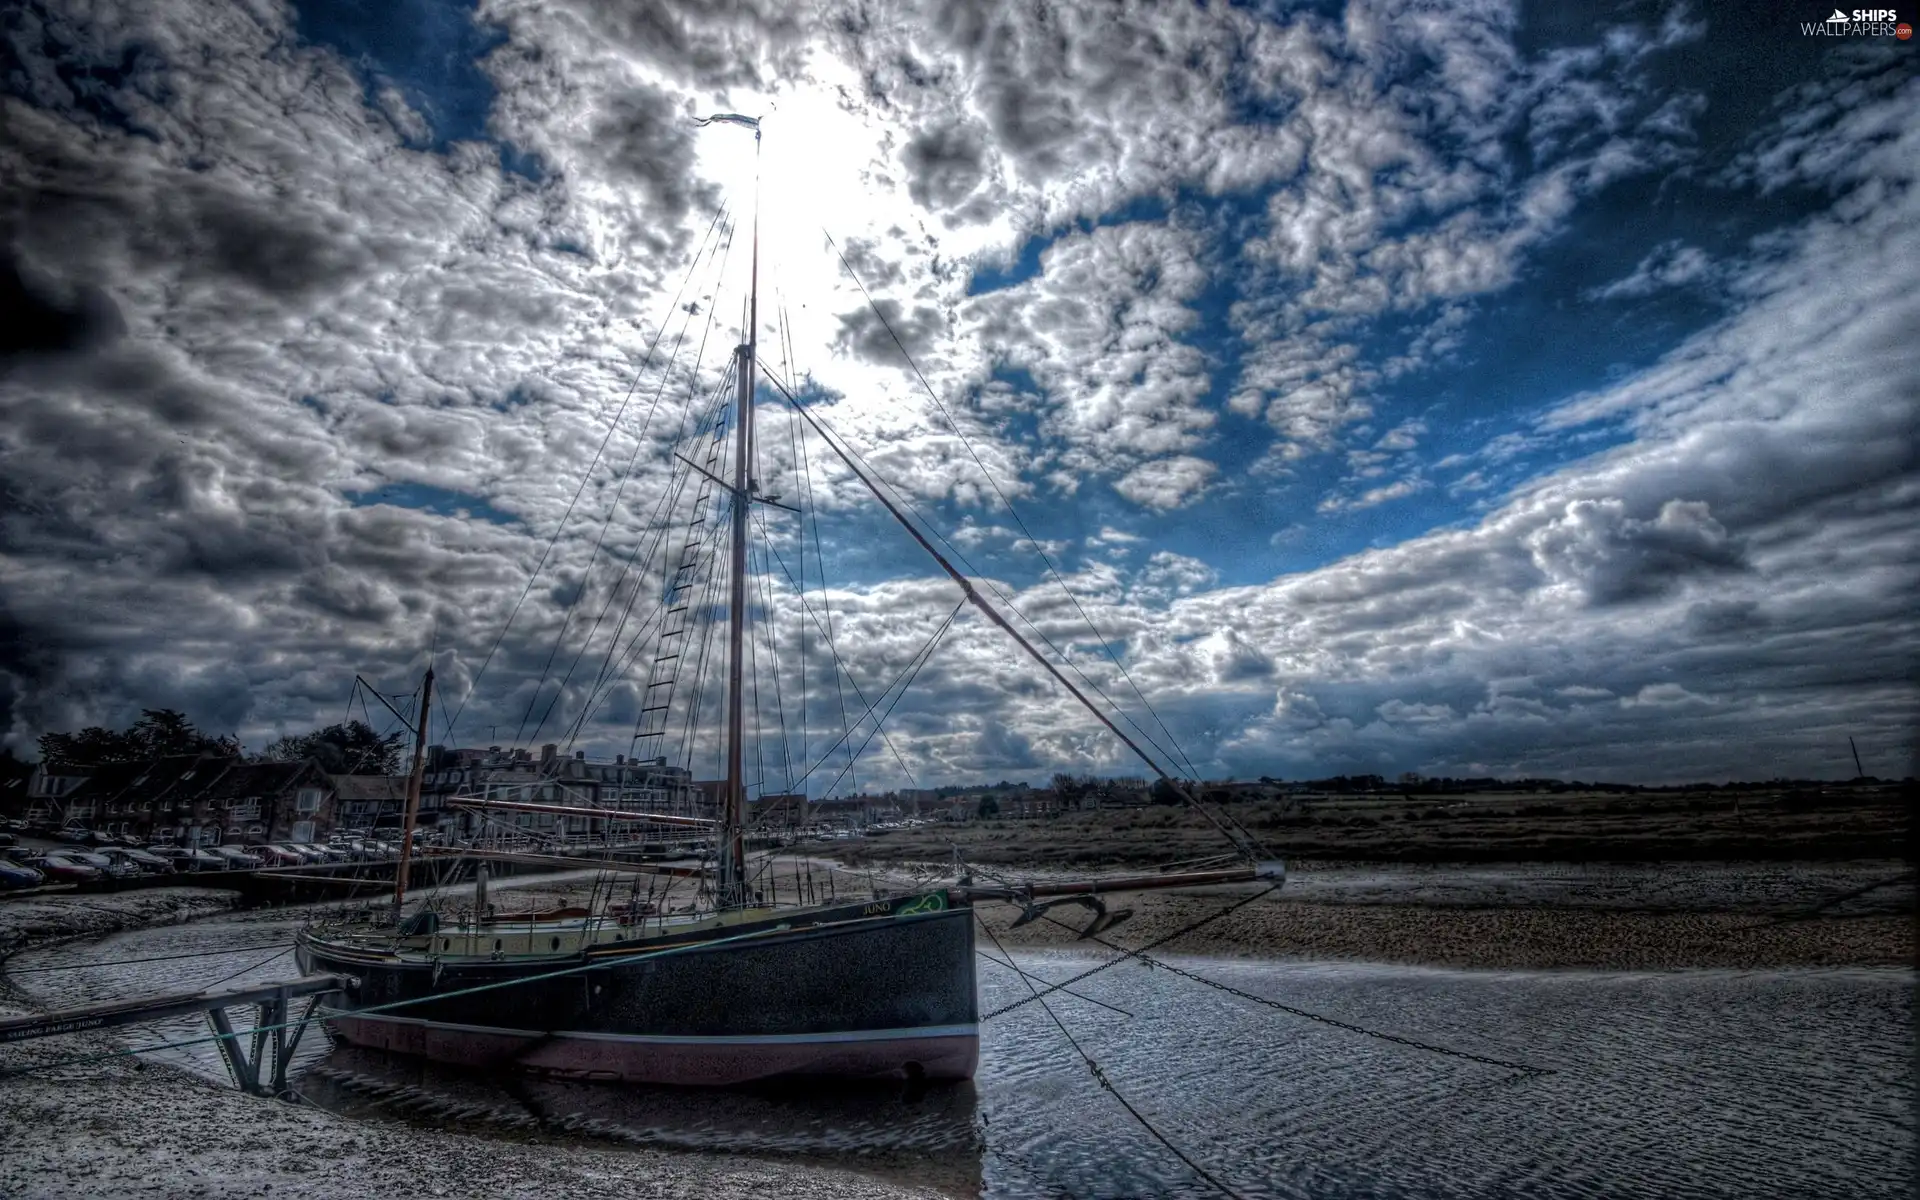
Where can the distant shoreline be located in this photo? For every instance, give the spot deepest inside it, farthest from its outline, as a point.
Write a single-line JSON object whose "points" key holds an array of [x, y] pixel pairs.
{"points": [[1843, 824]]}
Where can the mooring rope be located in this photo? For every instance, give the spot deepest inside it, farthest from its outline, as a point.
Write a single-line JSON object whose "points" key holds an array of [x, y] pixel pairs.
{"points": [[1100, 1075], [125, 962], [1125, 954], [1350, 1027]]}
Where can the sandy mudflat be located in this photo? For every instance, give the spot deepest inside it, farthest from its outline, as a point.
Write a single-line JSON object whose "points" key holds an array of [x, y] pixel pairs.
{"points": [[126, 1129], [1531, 916]]}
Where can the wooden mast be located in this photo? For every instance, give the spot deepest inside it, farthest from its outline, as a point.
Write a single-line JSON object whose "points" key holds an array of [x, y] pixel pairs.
{"points": [[733, 820], [401, 868]]}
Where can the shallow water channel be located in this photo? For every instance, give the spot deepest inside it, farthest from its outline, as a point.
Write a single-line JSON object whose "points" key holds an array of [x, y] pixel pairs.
{"points": [[1679, 1084]]}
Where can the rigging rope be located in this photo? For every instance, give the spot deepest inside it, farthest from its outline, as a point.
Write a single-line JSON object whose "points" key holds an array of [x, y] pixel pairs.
{"points": [[584, 477], [612, 507]]}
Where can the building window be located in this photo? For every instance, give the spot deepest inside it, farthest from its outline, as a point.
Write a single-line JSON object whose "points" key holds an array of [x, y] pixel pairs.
{"points": [[308, 801]]}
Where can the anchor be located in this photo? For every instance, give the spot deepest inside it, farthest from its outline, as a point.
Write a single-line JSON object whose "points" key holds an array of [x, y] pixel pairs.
{"points": [[1101, 922]]}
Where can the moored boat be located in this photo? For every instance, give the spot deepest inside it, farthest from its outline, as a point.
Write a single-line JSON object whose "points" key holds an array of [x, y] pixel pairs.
{"points": [[881, 989], [731, 990]]}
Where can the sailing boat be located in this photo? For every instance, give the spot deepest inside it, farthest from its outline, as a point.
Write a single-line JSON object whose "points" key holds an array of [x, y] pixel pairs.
{"points": [[741, 992]]}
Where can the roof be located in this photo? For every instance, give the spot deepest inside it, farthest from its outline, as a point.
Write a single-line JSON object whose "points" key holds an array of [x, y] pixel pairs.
{"points": [[247, 780], [369, 787], [136, 782]]}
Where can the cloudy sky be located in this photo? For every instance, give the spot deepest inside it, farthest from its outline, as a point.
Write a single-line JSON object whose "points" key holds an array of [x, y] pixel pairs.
{"points": [[1474, 389]]}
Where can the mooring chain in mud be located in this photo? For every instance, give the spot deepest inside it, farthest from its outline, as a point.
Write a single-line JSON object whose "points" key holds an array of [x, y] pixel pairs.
{"points": [[1100, 1075], [1125, 954], [1350, 1027]]}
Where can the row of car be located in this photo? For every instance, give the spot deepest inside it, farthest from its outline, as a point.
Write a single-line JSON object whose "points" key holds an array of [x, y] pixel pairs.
{"points": [[106, 858]]}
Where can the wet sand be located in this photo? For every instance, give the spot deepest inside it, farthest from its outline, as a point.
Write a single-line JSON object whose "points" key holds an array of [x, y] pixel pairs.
{"points": [[125, 1128]]}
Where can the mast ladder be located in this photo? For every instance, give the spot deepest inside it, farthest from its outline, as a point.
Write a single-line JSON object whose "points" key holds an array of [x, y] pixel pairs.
{"points": [[656, 701]]}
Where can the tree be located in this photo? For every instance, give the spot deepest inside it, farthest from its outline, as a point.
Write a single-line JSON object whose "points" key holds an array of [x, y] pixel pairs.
{"points": [[350, 749], [159, 731]]}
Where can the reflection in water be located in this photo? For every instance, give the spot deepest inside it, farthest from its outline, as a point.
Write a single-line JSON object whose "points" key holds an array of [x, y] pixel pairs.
{"points": [[1689, 1083]]}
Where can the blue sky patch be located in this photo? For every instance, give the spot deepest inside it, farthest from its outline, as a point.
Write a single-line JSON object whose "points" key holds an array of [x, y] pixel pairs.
{"points": [[428, 498], [429, 49]]}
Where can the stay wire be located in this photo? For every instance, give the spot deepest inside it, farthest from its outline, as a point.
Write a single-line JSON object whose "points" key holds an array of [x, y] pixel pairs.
{"points": [[834, 652], [585, 476], [820, 564], [1005, 500], [925, 656], [1100, 1076], [959, 555]]}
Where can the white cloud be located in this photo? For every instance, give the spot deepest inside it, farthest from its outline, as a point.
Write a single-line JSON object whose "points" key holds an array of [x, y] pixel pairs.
{"points": [[1166, 482]]}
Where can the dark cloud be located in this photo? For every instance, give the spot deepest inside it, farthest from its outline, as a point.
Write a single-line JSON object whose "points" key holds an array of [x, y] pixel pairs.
{"points": [[645, 141], [865, 331], [39, 320], [1613, 557], [946, 165]]}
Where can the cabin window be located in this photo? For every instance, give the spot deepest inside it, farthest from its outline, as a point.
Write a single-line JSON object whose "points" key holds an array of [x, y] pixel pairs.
{"points": [[556, 943], [496, 943]]}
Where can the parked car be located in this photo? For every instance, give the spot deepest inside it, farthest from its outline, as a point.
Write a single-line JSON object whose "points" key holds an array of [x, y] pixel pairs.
{"points": [[321, 854], [7, 839], [106, 864], [204, 859], [17, 875], [74, 834], [97, 837], [280, 856], [241, 857], [60, 869], [147, 864]]}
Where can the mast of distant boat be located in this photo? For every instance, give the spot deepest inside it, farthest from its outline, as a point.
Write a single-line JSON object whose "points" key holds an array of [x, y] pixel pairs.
{"points": [[414, 780]]}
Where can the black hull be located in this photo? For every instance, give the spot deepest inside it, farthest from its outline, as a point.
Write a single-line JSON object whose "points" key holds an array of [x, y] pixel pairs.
{"points": [[862, 991]]}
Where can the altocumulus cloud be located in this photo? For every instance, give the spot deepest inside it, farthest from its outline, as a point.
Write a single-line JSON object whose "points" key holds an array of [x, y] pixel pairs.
{"points": [[305, 374]]}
